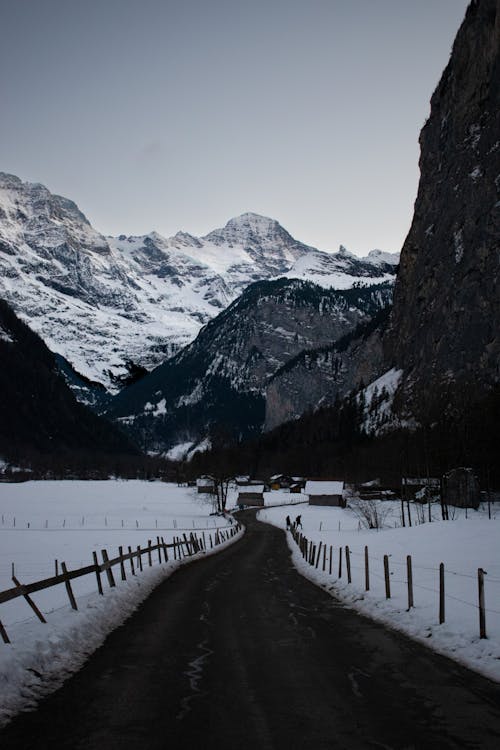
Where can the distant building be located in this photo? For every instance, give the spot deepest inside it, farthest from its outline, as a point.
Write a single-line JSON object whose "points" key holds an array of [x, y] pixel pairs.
{"points": [[252, 494], [280, 482], [325, 492], [206, 485], [420, 488], [461, 488]]}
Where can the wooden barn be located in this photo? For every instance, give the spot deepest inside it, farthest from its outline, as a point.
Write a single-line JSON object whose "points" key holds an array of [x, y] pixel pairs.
{"points": [[253, 494], [280, 482], [325, 492], [461, 488], [206, 485]]}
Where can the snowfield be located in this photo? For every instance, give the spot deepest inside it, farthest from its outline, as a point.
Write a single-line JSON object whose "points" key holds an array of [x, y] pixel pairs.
{"points": [[66, 521], [463, 545]]}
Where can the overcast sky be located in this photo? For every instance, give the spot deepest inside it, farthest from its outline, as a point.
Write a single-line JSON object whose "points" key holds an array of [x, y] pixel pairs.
{"points": [[179, 114]]}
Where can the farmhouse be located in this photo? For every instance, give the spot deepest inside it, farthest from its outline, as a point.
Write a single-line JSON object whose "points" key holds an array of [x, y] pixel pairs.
{"points": [[325, 492], [205, 485], [253, 494]]}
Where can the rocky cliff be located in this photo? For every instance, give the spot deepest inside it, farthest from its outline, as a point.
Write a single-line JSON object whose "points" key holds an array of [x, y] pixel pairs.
{"points": [[445, 327]]}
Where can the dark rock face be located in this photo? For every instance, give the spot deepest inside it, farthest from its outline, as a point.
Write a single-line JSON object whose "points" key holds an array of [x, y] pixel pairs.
{"points": [[319, 377], [445, 329]]}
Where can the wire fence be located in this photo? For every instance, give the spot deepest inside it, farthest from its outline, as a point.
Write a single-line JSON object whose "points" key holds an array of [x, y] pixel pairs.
{"points": [[340, 564]]}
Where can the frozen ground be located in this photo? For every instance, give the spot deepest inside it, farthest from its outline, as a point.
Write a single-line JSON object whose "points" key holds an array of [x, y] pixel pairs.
{"points": [[462, 544], [44, 521]]}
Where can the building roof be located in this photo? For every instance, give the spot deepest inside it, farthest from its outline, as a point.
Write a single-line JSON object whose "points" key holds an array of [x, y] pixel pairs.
{"points": [[327, 487], [253, 488], [205, 482]]}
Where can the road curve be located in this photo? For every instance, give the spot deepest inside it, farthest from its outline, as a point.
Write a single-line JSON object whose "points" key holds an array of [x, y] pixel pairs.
{"points": [[238, 651]]}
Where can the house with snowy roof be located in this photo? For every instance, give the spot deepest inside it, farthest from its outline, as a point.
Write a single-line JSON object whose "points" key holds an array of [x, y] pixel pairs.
{"points": [[252, 494], [206, 484], [325, 492]]}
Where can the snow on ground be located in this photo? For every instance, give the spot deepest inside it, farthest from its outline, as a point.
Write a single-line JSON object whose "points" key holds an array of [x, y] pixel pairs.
{"points": [[44, 521], [463, 545]]}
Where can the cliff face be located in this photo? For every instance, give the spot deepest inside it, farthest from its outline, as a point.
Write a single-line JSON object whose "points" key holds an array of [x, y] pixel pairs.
{"points": [[445, 328]]}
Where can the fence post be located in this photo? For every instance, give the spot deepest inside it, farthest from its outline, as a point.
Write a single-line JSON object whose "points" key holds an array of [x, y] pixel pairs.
{"points": [[340, 562], [165, 549], [139, 557], [30, 601], [132, 569], [367, 570], [69, 590], [97, 573], [441, 593], [3, 633], [319, 554], [56, 566], [409, 573], [330, 563], [482, 612], [324, 558], [386, 577], [109, 572], [122, 564], [348, 563], [159, 549], [150, 561]]}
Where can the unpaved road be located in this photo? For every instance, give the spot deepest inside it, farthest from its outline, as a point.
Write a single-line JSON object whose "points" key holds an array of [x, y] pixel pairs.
{"points": [[239, 652]]}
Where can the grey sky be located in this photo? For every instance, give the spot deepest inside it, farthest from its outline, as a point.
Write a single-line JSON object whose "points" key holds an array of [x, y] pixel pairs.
{"points": [[179, 114]]}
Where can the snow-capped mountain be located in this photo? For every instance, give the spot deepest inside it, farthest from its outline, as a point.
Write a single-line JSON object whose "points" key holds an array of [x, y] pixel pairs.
{"points": [[112, 305], [218, 383]]}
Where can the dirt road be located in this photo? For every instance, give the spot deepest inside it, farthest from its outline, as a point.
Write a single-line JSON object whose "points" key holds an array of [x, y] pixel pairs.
{"points": [[238, 651]]}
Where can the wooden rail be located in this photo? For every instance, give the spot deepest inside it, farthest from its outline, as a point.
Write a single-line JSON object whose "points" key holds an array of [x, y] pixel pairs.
{"points": [[187, 546]]}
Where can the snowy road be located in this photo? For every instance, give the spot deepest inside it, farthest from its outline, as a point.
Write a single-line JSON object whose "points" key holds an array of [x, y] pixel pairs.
{"points": [[239, 651]]}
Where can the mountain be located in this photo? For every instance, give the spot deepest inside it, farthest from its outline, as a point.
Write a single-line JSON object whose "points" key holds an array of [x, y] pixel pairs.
{"points": [[113, 307], [218, 383], [39, 415], [445, 328]]}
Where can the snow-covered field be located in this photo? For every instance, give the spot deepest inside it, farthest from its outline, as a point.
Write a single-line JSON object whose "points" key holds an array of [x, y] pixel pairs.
{"points": [[462, 544], [66, 521]]}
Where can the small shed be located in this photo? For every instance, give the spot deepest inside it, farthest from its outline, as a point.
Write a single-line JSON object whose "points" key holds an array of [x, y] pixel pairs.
{"points": [[253, 494], [280, 482], [325, 492], [206, 485], [461, 488]]}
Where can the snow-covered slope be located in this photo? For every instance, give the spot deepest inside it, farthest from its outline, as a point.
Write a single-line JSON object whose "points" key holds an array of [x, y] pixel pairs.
{"points": [[109, 305]]}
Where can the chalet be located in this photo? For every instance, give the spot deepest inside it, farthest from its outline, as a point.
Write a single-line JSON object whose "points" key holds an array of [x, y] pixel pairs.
{"points": [[461, 488], [253, 494], [280, 482], [206, 485], [325, 492], [296, 487]]}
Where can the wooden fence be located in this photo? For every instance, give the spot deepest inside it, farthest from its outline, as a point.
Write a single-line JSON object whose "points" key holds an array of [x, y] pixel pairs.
{"points": [[321, 554], [181, 547]]}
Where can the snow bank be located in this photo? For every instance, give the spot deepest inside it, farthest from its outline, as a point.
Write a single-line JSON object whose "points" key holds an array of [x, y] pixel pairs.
{"points": [[463, 545]]}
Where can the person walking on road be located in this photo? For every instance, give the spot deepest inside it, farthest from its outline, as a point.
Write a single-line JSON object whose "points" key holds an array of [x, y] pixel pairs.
{"points": [[298, 522], [288, 522]]}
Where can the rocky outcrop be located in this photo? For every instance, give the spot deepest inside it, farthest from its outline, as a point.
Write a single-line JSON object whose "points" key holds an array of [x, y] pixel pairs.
{"points": [[445, 328]]}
